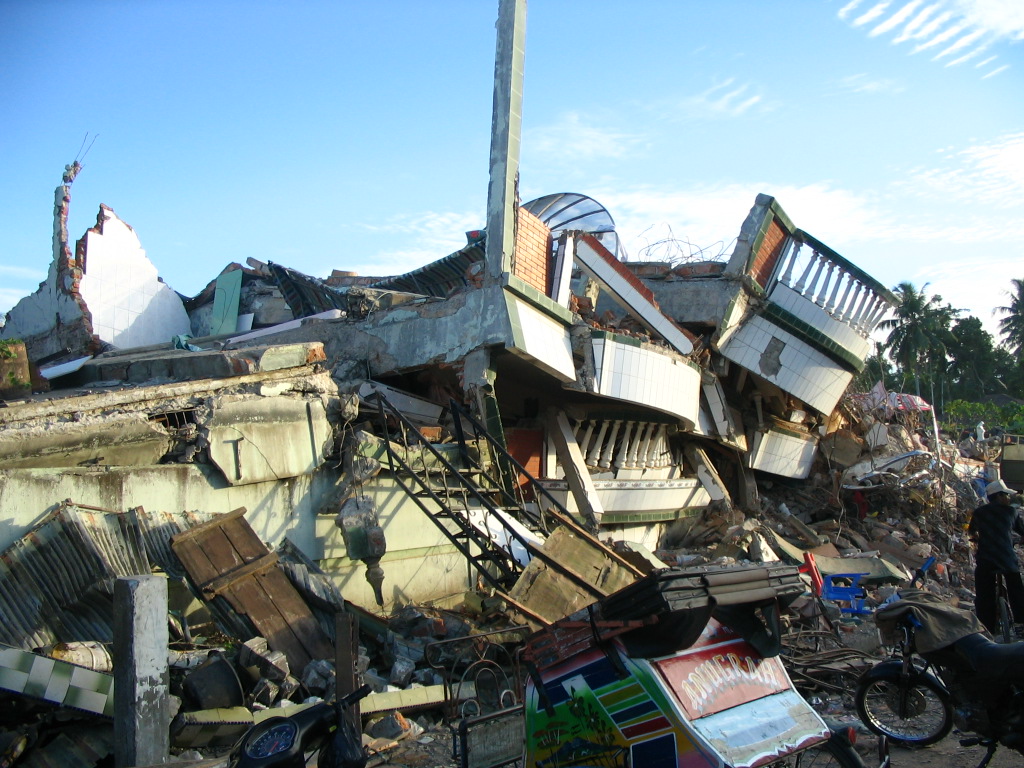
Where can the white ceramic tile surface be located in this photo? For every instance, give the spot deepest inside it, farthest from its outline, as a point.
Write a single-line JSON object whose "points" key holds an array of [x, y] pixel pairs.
{"points": [[546, 340], [130, 307], [805, 372], [627, 372]]}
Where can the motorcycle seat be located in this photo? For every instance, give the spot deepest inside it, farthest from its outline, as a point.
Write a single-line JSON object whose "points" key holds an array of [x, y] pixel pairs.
{"points": [[991, 661]]}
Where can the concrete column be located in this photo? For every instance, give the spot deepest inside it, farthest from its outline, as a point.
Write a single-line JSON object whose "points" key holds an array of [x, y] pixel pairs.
{"points": [[141, 712], [506, 129]]}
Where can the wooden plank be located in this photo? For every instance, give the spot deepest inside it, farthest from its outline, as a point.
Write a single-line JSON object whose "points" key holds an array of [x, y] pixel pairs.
{"points": [[250, 598], [296, 614], [225, 557], [221, 583], [220, 551], [198, 566], [243, 538], [210, 524]]}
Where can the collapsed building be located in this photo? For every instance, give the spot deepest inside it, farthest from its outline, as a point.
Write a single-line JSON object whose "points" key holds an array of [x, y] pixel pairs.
{"points": [[629, 395], [416, 438], [527, 423]]}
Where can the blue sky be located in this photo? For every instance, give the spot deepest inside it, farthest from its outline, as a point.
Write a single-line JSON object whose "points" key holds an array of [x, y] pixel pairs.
{"points": [[355, 135]]}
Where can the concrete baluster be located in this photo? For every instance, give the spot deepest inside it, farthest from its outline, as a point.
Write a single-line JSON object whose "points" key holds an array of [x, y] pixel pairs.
{"points": [[623, 455], [609, 447], [595, 450]]}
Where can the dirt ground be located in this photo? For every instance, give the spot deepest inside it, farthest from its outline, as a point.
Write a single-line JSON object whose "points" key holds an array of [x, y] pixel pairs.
{"points": [[946, 754], [434, 751]]}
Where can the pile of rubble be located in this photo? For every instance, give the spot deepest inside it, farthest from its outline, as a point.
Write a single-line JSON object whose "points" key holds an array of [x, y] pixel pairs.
{"points": [[876, 508]]}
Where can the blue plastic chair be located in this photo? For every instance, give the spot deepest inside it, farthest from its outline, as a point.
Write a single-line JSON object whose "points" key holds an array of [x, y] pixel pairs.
{"points": [[853, 594]]}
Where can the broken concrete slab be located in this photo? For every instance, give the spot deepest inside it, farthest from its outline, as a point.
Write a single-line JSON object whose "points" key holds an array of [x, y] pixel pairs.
{"points": [[252, 440], [168, 364]]}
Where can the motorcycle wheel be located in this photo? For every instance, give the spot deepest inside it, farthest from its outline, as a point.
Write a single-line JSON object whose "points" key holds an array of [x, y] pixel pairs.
{"points": [[927, 715]]}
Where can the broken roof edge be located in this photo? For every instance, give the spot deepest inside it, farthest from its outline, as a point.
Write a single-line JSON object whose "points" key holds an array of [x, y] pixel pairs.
{"points": [[679, 338], [438, 278]]}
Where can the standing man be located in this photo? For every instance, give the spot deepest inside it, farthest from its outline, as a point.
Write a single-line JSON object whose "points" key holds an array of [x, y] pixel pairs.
{"points": [[991, 527]]}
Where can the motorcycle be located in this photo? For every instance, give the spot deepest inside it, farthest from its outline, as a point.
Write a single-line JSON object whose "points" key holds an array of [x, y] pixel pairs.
{"points": [[945, 670], [283, 741]]}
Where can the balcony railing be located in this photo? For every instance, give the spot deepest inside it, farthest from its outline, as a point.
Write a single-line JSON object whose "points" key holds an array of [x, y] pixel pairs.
{"points": [[844, 291]]}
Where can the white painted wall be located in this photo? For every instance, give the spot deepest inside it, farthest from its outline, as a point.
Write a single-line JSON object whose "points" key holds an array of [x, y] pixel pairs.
{"points": [[130, 306]]}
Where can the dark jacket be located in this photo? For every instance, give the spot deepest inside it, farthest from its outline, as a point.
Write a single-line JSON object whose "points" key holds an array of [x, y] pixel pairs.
{"points": [[992, 524]]}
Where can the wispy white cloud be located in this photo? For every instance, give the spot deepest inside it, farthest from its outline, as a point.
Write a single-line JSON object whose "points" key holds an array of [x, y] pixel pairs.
{"points": [[849, 8], [871, 14], [1003, 18], [966, 57], [431, 226], [958, 45], [723, 99], [575, 137], [861, 83], [960, 30], [434, 235], [913, 27], [896, 19], [707, 218], [996, 71], [939, 39], [990, 174]]}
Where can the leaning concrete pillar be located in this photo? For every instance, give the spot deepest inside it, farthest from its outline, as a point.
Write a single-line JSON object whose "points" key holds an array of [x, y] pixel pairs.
{"points": [[141, 734]]}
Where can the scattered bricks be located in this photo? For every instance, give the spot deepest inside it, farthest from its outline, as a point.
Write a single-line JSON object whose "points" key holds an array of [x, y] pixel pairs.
{"points": [[427, 677], [272, 665], [371, 678], [393, 726], [406, 648], [263, 694], [401, 672], [317, 676], [288, 687], [455, 627], [406, 619], [430, 627]]}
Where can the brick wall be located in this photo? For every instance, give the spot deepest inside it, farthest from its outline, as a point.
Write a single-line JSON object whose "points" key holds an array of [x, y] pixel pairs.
{"points": [[531, 260], [768, 253]]}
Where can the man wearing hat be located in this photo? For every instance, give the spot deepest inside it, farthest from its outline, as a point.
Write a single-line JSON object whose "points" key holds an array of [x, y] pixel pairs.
{"points": [[991, 527]]}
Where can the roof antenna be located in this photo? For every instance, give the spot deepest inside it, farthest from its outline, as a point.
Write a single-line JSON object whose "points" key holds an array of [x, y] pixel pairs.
{"points": [[81, 155]]}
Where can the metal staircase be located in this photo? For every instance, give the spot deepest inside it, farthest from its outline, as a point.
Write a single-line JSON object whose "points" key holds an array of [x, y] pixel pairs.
{"points": [[499, 493]]}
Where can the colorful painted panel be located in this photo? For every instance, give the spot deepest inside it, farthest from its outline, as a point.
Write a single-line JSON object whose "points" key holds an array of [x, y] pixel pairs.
{"points": [[760, 732], [743, 705], [709, 680], [600, 717]]}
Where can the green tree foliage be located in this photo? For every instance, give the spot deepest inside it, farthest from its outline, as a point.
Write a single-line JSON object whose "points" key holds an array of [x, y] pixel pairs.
{"points": [[962, 414], [918, 333], [1011, 326], [971, 370]]}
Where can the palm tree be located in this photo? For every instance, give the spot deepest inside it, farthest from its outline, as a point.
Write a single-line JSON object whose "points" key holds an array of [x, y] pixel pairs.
{"points": [[918, 332], [1011, 327]]}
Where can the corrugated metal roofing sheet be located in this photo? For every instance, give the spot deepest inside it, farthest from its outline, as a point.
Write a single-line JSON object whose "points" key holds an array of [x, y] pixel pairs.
{"points": [[57, 582]]}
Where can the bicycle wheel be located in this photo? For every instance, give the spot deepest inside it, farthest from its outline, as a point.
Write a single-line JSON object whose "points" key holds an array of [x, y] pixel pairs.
{"points": [[920, 715], [1005, 621]]}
